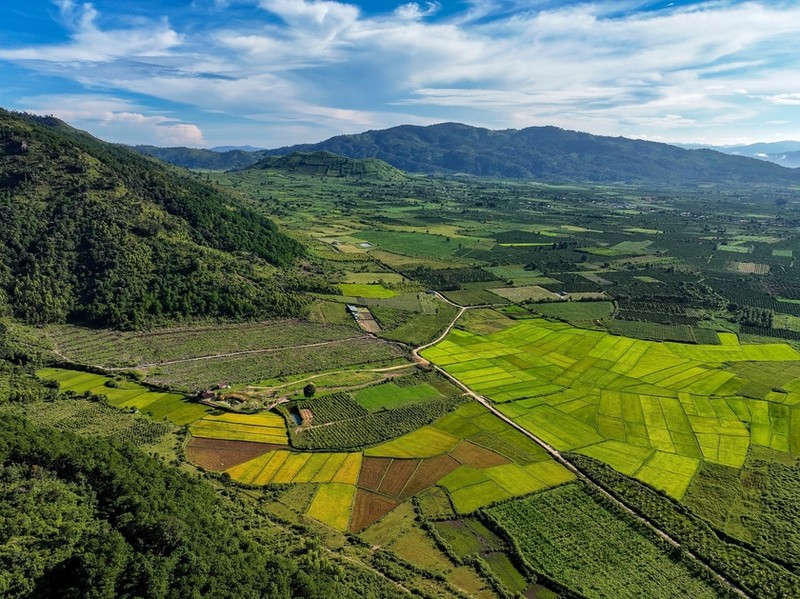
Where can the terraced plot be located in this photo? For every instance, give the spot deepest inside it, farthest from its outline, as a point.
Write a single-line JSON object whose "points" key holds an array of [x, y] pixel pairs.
{"points": [[284, 467], [160, 406], [651, 410], [259, 428]]}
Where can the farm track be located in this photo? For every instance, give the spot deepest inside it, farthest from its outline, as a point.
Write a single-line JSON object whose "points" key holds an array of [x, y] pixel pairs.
{"points": [[556, 455]]}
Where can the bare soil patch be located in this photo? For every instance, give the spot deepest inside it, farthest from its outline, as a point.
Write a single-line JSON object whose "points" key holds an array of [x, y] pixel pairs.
{"points": [[368, 508], [476, 456], [217, 455], [428, 473], [397, 476], [372, 472]]}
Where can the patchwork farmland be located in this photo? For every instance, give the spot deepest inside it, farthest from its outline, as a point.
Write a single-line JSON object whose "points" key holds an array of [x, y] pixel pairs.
{"points": [[651, 410], [476, 457]]}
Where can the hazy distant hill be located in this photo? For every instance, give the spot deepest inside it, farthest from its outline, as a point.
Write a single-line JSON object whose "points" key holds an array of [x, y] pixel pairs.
{"points": [[212, 160], [546, 153], [326, 164], [784, 153], [97, 233], [787, 159], [231, 148]]}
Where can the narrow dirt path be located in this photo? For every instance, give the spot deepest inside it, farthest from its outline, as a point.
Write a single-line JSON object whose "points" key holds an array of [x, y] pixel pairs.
{"points": [[415, 352]]}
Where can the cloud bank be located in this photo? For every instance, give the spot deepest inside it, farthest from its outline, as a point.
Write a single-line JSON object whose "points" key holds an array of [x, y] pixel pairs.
{"points": [[287, 71]]}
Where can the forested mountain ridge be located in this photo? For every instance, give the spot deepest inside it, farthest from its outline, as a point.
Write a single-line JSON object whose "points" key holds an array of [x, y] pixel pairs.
{"points": [[546, 153], [94, 232], [327, 164]]}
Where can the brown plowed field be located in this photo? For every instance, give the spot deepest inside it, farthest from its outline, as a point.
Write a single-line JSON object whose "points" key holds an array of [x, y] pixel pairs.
{"points": [[369, 508], [428, 474], [397, 476], [372, 471], [476, 456], [220, 454]]}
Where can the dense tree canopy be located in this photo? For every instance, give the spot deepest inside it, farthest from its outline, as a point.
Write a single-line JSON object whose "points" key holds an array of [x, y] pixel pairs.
{"points": [[95, 232]]}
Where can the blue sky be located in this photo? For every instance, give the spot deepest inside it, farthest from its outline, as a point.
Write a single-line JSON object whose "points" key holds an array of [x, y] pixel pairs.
{"points": [[275, 72]]}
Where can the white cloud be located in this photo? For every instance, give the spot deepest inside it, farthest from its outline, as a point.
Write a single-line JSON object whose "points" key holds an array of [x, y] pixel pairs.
{"points": [[510, 63], [414, 11], [116, 120], [788, 99], [90, 44]]}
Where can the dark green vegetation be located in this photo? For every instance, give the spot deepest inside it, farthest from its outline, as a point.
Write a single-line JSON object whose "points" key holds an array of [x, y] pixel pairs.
{"points": [[326, 164], [195, 158], [98, 233], [578, 539], [345, 421], [96, 517], [545, 153]]}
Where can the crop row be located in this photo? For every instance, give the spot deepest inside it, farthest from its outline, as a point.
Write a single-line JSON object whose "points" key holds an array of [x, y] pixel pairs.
{"points": [[260, 366], [757, 575], [657, 317], [584, 543], [373, 428], [107, 348], [448, 279], [330, 408], [770, 332]]}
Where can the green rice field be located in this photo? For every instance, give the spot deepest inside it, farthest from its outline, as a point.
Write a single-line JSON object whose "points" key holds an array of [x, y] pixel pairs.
{"points": [[365, 290], [389, 396], [651, 410]]}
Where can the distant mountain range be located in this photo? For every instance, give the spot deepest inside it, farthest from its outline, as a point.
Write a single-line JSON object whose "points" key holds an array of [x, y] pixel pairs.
{"points": [[233, 148], [541, 153], [785, 153]]}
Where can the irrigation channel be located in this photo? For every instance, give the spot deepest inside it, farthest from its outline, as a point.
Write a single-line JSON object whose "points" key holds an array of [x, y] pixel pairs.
{"points": [[556, 455]]}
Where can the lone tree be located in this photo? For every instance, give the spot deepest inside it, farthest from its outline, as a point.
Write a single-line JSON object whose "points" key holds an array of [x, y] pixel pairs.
{"points": [[309, 390]]}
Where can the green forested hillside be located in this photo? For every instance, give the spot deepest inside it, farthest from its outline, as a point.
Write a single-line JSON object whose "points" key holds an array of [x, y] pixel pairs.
{"points": [[546, 153], [95, 232], [326, 164], [96, 518]]}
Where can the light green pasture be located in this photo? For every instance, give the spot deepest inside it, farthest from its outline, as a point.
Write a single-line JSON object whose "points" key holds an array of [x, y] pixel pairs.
{"points": [[652, 410]]}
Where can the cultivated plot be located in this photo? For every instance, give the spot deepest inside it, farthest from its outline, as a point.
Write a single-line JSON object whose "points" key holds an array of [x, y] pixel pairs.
{"points": [[651, 410]]}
